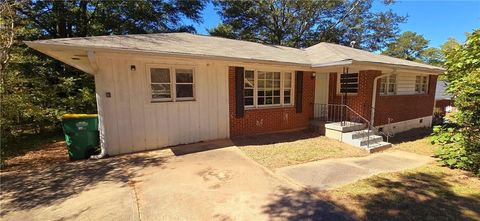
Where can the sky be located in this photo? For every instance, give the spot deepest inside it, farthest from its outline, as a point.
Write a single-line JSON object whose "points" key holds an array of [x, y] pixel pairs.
{"points": [[436, 20]]}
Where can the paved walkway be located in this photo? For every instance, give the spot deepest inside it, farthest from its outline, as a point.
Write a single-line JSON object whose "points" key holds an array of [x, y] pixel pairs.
{"points": [[218, 184], [326, 174]]}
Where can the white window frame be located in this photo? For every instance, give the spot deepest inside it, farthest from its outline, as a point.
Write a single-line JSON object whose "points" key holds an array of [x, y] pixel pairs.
{"points": [[421, 84], [255, 89], [387, 85], [173, 83]]}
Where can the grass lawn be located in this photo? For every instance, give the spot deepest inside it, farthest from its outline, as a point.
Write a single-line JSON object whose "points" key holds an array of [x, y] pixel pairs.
{"points": [[415, 141], [285, 149], [430, 192]]}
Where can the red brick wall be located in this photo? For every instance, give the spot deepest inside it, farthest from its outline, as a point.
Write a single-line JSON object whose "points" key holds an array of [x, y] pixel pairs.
{"points": [[405, 107], [360, 102], [256, 121], [398, 107]]}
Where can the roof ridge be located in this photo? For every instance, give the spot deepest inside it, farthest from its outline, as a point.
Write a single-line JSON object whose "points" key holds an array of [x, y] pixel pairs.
{"points": [[232, 39], [327, 46]]}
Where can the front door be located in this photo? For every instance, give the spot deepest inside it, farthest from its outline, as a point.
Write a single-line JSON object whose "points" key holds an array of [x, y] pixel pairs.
{"points": [[321, 93]]}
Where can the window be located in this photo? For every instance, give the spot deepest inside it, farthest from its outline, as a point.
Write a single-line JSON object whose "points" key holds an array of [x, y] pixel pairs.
{"points": [[160, 83], [267, 88], [388, 85], [421, 84], [166, 86], [184, 84], [287, 88], [249, 88]]}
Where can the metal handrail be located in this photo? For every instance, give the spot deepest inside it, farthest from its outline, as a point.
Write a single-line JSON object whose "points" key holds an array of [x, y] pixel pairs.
{"points": [[324, 110]]}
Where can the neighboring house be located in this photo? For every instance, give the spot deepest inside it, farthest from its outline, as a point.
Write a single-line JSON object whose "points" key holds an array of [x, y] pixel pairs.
{"points": [[443, 100], [158, 90]]}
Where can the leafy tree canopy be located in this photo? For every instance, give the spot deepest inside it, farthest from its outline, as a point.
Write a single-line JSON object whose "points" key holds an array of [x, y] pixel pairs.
{"points": [[305, 23], [460, 147], [409, 45]]}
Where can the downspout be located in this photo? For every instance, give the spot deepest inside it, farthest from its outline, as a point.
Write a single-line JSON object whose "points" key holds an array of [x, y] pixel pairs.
{"points": [[93, 64], [374, 96]]}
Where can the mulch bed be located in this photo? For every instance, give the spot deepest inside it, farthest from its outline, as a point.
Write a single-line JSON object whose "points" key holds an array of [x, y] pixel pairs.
{"points": [[50, 154]]}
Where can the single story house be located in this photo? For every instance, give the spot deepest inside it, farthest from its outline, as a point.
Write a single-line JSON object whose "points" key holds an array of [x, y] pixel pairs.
{"points": [[158, 90]]}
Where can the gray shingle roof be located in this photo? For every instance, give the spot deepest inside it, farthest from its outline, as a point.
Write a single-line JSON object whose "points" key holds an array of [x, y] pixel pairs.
{"points": [[208, 46]]}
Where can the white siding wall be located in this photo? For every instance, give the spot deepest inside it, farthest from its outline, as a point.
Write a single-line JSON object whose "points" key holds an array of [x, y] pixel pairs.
{"points": [[130, 122], [406, 84]]}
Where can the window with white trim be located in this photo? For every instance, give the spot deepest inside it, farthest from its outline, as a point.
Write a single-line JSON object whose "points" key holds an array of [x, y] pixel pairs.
{"points": [[171, 84], [268, 88], [421, 84], [184, 85], [388, 85]]}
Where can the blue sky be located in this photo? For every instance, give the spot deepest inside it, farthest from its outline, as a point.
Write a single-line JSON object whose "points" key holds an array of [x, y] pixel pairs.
{"points": [[435, 20]]}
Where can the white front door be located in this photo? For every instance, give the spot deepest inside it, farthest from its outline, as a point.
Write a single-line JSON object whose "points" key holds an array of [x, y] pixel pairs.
{"points": [[321, 93]]}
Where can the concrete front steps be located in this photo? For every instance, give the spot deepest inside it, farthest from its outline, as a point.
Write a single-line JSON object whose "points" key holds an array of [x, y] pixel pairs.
{"points": [[356, 135]]}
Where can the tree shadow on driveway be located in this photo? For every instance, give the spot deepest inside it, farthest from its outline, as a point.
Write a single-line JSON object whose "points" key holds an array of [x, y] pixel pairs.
{"points": [[21, 190], [419, 195], [289, 204]]}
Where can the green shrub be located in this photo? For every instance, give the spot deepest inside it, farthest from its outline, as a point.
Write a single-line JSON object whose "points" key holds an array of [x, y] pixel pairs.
{"points": [[453, 150]]}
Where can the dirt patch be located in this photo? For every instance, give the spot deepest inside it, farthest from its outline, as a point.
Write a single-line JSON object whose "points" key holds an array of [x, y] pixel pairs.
{"points": [[47, 155]]}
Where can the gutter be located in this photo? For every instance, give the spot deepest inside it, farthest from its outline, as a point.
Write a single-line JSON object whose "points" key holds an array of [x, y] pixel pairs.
{"points": [[374, 96], [434, 70]]}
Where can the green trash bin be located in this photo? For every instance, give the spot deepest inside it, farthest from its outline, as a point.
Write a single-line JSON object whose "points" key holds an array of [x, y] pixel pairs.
{"points": [[81, 135]]}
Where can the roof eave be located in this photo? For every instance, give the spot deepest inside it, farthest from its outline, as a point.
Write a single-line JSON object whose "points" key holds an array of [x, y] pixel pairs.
{"points": [[433, 70], [39, 45]]}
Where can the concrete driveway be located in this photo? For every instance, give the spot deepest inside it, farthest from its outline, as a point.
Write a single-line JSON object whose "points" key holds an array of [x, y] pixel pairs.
{"points": [[327, 174], [176, 184]]}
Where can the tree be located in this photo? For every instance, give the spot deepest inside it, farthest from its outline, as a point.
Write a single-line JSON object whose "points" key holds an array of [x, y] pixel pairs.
{"points": [[409, 45], [449, 45], [432, 56], [304, 23], [460, 146]]}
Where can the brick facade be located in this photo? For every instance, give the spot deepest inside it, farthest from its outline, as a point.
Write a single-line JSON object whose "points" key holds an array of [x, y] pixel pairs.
{"points": [[397, 107], [266, 120], [360, 102], [405, 107]]}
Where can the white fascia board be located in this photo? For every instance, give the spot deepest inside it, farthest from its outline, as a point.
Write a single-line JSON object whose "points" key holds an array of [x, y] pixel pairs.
{"points": [[37, 46]]}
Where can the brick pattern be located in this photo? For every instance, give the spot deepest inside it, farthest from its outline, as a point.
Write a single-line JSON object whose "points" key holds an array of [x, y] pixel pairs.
{"points": [[267, 120], [397, 107], [405, 107], [360, 102]]}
